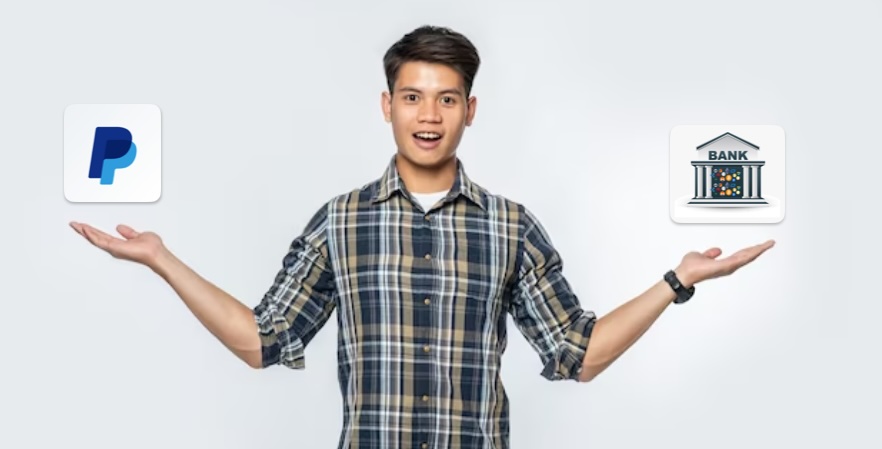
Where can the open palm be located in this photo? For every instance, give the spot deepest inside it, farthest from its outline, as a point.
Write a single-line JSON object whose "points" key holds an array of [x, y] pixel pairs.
{"points": [[141, 247], [707, 265]]}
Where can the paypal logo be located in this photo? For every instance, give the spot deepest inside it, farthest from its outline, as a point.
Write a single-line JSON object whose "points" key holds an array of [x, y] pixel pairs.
{"points": [[112, 149], [98, 141]]}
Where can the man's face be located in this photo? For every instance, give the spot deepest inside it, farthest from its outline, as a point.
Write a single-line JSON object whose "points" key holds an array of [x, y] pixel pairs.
{"points": [[429, 111]]}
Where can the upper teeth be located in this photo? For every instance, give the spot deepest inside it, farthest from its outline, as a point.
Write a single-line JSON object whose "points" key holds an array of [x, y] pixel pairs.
{"points": [[428, 135]]}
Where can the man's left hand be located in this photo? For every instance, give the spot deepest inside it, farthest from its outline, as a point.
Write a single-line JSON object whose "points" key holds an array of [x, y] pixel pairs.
{"points": [[696, 267]]}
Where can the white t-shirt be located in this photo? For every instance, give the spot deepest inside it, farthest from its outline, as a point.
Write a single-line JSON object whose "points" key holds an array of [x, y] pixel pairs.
{"points": [[427, 200]]}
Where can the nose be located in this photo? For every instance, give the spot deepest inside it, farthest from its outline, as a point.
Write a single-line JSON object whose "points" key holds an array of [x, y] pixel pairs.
{"points": [[429, 112]]}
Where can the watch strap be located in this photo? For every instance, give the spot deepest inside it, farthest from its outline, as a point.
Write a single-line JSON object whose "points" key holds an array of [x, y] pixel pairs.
{"points": [[683, 293]]}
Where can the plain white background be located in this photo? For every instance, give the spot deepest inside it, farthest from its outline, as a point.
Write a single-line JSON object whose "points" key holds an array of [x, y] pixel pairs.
{"points": [[271, 108]]}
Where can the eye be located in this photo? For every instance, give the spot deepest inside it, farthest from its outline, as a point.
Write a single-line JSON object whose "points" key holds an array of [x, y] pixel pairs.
{"points": [[410, 97], [448, 100]]}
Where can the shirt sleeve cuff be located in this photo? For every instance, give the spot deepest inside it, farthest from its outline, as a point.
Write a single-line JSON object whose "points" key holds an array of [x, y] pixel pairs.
{"points": [[566, 363], [279, 347]]}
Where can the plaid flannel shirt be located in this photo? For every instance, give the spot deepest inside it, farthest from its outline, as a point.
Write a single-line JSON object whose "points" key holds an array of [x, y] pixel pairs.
{"points": [[422, 298]]}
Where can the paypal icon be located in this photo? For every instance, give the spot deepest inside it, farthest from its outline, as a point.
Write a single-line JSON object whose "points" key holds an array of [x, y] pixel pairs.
{"points": [[112, 149], [98, 140]]}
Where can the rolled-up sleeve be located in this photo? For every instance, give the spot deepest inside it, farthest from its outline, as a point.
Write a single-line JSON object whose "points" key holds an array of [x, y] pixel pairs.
{"points": [[545, 308], [301, 299]]}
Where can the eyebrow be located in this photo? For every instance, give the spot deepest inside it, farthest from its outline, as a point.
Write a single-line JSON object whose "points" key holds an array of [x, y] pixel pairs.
{"points": [[442, 92]]}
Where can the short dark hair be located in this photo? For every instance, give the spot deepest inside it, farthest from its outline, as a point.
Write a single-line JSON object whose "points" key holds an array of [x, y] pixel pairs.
{"points": [[433, 44]]}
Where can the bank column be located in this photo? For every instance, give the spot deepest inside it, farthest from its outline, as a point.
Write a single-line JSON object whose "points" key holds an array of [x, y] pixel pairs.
{"points": [[709, 181], [759, 181]]}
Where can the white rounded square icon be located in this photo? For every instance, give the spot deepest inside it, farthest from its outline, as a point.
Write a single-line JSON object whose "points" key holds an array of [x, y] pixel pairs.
{"points": [[727, 174], [112, 153]]}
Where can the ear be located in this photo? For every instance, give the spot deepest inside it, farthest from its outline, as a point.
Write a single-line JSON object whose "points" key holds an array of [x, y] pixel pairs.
{"points": [[472, 105], [386, 104]]}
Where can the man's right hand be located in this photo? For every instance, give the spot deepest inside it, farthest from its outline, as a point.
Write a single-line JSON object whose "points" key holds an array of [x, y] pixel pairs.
{"points": [[231, 321], [141, 247]]}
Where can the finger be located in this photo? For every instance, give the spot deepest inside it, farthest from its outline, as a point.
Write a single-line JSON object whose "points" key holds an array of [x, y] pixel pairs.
{"points": [[91, 237], [767, 244], [99, 238], [81, 230], [745, 256], [127, 231], [77, 227], [751, 253], [97, 232]]}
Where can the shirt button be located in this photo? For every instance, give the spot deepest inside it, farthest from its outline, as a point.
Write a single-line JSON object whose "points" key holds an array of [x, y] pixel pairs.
{"points": [[426, 348], [427, 301], [424, 446], [428, 218], [428, 256], [425, 398]]}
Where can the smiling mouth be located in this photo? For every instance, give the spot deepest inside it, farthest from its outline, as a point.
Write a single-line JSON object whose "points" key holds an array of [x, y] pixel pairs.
{"points": [[427, 136]]}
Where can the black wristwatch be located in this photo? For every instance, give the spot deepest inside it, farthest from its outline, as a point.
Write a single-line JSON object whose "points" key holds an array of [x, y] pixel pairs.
{"points": [[683, 293]]}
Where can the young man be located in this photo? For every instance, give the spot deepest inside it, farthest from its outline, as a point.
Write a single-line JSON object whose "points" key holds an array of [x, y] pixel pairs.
{"points": [[422, 267]]}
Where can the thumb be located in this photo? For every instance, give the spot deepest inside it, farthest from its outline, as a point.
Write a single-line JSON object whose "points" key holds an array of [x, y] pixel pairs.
{"points": [[127, 232], [713, 253]]}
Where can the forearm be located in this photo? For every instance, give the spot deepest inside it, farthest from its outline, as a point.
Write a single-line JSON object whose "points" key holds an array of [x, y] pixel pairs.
{"points": [[618, 330], [224, 316]]}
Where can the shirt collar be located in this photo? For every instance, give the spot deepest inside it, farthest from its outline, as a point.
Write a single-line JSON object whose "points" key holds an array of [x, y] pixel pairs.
{"points": [[391, 182]]}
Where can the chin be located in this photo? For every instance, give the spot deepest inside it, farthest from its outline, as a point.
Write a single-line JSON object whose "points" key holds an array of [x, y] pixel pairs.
{"points": [[427, 159]]}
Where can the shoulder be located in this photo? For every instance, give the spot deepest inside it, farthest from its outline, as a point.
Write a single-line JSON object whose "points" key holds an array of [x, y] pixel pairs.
{"points": [[501, 205], [354, 199], [332, 208]]}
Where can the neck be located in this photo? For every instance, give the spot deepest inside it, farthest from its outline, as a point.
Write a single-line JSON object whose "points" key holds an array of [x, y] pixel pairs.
{"points": [[426, 179]]}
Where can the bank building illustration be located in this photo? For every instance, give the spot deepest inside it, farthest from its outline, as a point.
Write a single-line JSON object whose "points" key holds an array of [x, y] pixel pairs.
{"points": [[728, 172]]}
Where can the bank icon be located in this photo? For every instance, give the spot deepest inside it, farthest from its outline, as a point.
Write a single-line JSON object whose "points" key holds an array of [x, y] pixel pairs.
{"points": [[727, 174]]}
